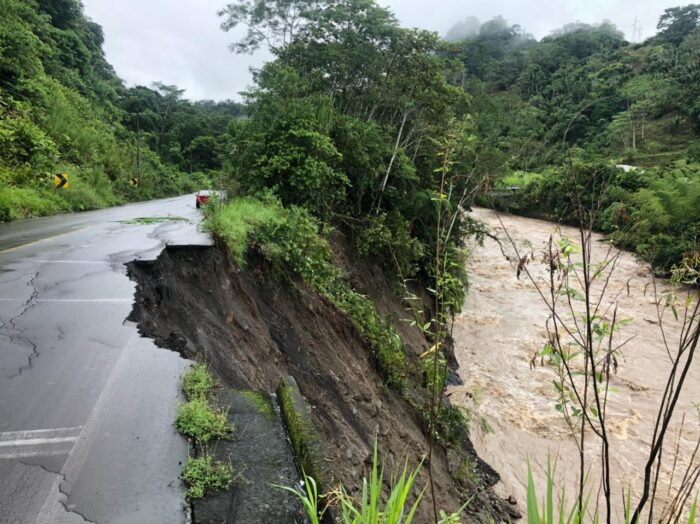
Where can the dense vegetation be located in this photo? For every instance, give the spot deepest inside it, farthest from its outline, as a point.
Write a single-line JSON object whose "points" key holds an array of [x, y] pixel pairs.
{"points": [[585, 91], [347, 122], [354, 127], [383, 133], [63, 109]]}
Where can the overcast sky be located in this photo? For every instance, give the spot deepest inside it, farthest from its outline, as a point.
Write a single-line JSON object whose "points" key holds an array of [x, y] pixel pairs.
{"points": [[179, 42]]}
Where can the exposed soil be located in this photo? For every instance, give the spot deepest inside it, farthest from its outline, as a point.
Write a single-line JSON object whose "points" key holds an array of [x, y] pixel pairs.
{"points": [[254, 331]]}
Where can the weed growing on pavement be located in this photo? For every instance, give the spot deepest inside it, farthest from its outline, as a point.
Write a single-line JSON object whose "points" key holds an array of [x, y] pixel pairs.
{"points": [[204, 474], [199, 421], [197, 382]]}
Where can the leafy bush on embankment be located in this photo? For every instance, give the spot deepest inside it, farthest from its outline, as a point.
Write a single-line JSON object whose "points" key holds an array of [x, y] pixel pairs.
{"points": [[291, 240], [653, 212]]}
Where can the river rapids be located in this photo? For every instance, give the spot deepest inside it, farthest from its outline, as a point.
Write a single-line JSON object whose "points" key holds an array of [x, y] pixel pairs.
{"points": [[512, 402]]}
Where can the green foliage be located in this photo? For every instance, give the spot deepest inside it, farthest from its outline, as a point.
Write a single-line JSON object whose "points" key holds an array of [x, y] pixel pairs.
{"points": [[694, 152], [308, 497], [199, 421], [290, 239], [373, 507], [197, 382], [345, 120], [204, 474], [556, 508], [62, 108], [551, 513], [387, 237], [584, 87], [142, 221], [677, 22], [369, 510], [239, 218], [653, 211], [22, 203]]}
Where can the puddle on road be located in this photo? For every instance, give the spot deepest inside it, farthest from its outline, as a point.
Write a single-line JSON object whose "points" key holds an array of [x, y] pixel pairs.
{"points": [[146, 221], [503, 324]]}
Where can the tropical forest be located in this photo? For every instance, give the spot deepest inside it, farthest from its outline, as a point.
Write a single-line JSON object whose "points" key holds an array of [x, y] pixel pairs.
{"points": [[447, 277]]}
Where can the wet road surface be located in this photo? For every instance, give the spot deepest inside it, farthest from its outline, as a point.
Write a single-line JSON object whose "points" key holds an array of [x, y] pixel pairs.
{"points": [[86, 404]]}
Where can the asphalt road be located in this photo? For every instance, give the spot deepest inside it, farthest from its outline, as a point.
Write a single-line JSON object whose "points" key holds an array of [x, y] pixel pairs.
{"points": [[86, 404]]}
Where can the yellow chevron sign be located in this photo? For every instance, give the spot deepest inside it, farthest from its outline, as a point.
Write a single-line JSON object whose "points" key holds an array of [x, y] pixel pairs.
{"points": [[61, 181], [134, 182]]}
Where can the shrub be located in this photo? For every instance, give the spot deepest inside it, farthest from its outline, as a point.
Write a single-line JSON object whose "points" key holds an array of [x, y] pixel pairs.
{"points": [[373, 506], [203, 474], [290, 240], [200, 422], [198, 382], [694, 152]]}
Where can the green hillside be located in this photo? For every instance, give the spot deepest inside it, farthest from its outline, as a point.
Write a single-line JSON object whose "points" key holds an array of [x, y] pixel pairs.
{"points": [[583, 100], [64, 110]]}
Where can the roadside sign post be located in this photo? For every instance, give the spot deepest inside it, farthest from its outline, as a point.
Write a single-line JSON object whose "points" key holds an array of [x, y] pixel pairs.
{"points": [[60, 181]]}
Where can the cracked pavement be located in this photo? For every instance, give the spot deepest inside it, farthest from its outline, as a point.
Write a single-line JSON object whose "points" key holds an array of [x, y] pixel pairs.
{"points": [[86, 404]]}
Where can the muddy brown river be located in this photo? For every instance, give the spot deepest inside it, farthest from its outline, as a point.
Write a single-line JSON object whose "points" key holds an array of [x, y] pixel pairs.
{"points": [[512, 403]]}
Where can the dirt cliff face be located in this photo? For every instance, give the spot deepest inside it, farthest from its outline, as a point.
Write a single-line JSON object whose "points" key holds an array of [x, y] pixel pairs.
{"points": [[253, 331]]}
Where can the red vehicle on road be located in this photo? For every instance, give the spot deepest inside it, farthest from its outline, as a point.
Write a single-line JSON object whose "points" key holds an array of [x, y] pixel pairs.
{"points": [[202, 198]]}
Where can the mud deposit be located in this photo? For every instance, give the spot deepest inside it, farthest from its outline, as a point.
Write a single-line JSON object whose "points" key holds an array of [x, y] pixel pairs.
{"points": [[503, 323], [254, 331]]}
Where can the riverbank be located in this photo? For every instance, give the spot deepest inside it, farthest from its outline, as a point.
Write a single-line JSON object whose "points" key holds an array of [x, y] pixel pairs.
{"points": [[503, 325]]}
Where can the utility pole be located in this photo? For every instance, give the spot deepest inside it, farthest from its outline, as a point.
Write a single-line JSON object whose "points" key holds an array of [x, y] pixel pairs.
{"points": [[138, 148]]}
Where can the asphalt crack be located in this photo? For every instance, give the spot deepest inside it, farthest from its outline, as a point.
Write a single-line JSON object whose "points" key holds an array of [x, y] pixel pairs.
{"points": [[64, 496], [21, 337], [29, 303]]}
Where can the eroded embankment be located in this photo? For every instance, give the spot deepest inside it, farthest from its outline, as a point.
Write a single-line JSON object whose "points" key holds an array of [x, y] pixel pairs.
{"points": [[254, 331]]}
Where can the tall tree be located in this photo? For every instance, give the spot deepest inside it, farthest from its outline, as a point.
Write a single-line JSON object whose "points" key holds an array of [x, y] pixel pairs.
{"points": [[677, 22]]}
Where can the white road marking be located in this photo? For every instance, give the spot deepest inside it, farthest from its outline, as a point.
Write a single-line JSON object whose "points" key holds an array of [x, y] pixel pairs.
{"points": [[78, 454], [28, 454], [37, 441], [38, 433]]}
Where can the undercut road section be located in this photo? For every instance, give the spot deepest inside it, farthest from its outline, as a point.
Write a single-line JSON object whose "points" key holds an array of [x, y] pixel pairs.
{"points": [[86, 403]]}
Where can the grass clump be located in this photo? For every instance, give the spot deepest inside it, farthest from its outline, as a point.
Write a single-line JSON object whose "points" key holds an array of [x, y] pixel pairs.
{"points": [[289, 239], [204, 474], [200, 422], [197, 382], [196, 418], [372, 507], [234, 222]]}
